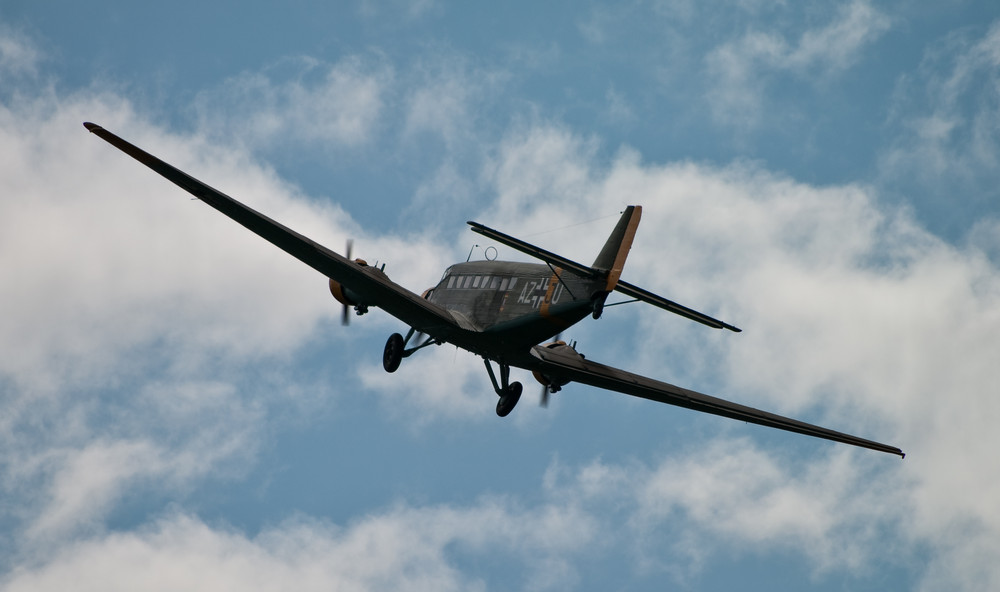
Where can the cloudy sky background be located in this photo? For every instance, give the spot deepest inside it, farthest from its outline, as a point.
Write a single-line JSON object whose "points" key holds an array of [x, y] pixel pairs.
{"points": [[182, 409]]}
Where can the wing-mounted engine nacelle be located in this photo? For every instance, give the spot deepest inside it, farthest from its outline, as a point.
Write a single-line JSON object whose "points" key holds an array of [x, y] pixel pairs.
{"points": [[555, 383], [343, 295], [348, 299]]}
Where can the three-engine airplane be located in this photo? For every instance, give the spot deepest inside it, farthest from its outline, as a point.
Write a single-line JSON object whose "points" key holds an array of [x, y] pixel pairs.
{"points": [[500, 311]]}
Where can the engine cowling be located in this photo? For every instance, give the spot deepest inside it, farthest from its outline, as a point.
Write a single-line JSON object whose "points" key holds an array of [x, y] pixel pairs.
{"points": [[342, 294], [555, 383]]}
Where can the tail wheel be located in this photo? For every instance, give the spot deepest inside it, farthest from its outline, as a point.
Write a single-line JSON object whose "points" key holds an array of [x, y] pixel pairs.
{"points": [[393, 353], [509, 399]]}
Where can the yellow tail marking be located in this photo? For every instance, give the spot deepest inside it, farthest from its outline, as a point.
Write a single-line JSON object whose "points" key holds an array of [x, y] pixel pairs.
{"points": [[616, 269], [553, 281]]}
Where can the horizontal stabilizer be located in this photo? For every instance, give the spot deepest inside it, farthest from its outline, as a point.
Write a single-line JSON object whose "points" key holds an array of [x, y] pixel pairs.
{"points": [[661, 302], [592, 272], [536, 252]]}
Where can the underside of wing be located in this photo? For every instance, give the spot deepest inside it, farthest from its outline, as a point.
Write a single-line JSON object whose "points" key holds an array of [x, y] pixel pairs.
{"points": [[374, 287], [570, 367]]}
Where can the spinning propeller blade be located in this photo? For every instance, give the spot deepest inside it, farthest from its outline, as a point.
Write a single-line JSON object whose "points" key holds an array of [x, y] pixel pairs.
{"points": [[345, 313], [546, 389]]}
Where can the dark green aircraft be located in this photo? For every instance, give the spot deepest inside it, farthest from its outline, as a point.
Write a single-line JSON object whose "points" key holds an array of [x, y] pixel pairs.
{"points": [[497, 310]]}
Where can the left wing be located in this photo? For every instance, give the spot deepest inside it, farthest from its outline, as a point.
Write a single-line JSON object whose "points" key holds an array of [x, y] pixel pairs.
{"points": [[575, 368], [368, 282]]}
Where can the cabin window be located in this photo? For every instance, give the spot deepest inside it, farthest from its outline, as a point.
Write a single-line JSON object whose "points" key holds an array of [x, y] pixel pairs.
{"points": [[451, 282], [513, 282], [475, 281], [467, 282], [495, 283], [503, 284]]}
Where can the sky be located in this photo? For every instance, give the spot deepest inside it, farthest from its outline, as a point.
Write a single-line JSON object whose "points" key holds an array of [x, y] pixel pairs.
{"points": [[182, 408]]}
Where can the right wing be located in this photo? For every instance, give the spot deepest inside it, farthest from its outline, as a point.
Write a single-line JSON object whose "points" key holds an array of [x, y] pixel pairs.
{"points": [[372, 286], [575, 368]]}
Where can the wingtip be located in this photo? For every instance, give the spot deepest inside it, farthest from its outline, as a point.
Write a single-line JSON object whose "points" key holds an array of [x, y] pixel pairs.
{"points": [[91, 127]]}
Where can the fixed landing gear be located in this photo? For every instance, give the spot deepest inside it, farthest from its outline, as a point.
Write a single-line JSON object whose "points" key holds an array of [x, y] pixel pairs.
{"points": [[395, 349], [509, 399], [509, 392], [392, 355]]}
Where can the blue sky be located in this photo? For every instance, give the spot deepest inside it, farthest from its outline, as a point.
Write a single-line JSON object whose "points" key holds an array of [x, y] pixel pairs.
{"points": [[182, 408]]}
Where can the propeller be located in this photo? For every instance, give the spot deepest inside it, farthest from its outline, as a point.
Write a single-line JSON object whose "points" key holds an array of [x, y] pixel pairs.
{"points": [[345, 313], [545, 395], [547, 388]]}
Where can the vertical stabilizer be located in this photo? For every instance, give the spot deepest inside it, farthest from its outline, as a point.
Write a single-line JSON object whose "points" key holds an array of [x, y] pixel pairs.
{"points": [[611, 260]]}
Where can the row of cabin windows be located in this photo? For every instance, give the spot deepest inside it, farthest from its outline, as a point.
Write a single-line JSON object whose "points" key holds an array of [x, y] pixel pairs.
{"points": [[481, 282]]}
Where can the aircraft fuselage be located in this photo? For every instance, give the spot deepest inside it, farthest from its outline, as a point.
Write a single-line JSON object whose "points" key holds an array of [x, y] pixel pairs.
{"points": [[516, 305]]}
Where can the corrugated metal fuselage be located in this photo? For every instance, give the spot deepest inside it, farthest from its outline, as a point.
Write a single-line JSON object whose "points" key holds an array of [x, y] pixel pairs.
{"points": [[514, 305]]}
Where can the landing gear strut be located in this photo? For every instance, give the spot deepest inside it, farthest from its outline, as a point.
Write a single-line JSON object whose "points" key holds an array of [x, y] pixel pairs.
{"points": [[509, 392], [395, 349]]}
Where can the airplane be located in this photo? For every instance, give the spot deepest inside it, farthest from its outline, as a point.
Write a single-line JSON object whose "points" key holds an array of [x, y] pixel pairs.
{"points": [[500, 311]]}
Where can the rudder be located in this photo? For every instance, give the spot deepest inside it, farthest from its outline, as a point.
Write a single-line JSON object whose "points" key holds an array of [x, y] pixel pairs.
{"points": [[611, 259]]}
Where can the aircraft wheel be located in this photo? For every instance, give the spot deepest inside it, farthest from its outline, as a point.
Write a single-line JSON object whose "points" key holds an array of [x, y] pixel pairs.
{"points": [[393, 353], [509, 399]]}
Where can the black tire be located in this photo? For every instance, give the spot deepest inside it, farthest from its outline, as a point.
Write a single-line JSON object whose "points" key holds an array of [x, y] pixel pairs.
{"points": [[509, 399], [392, 355]]}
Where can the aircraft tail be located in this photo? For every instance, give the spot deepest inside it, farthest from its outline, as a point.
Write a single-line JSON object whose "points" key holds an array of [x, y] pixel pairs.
{"points": [[611, 259], [607, 267]]}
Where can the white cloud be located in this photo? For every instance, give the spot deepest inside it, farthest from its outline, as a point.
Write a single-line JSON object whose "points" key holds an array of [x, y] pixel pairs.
{"points": [[131, 311], [743, 69], [401, 549], [947, 123], [90, 480], [619, 111], [18, 56], [678, 514], [448, 100], [440, 383], [301, 100], [102, 255]]}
